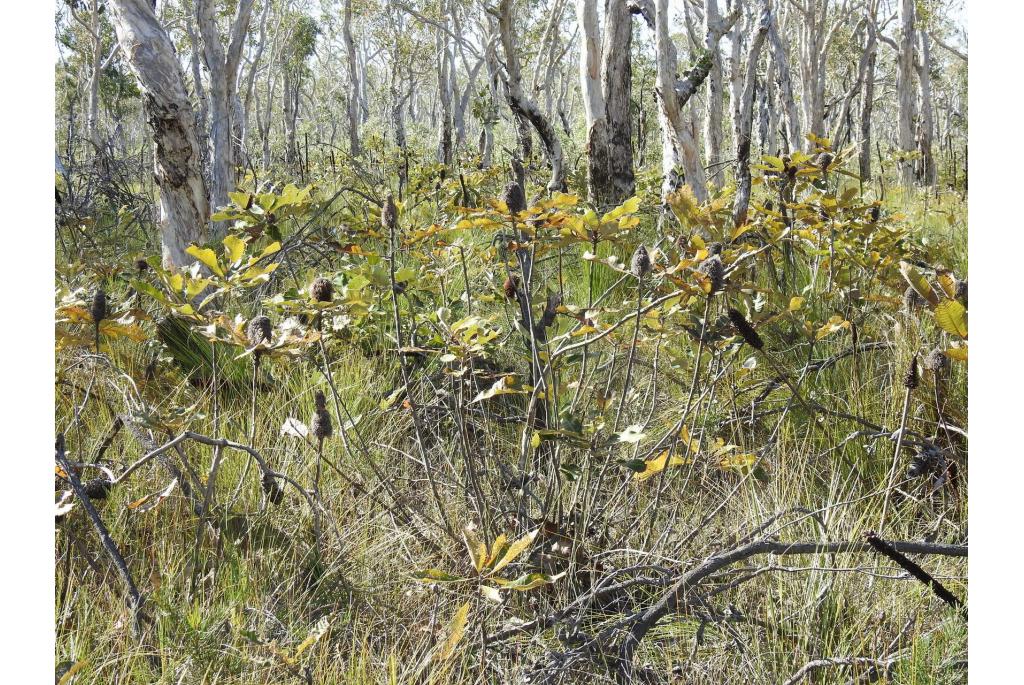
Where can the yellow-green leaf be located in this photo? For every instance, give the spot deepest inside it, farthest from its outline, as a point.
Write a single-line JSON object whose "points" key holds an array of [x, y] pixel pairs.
{"points": [[952, 318], [918, 282], [234, 249], [458, 629], [207, 257], [514, 550]]}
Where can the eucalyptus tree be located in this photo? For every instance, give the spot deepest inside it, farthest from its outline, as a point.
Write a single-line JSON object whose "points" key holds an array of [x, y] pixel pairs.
{"points": [[184, 204]]}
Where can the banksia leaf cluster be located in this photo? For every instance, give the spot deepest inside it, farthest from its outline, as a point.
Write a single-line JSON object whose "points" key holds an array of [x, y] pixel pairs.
{"points": [[640, 265], [259, 330], [98, 309], [322, 290], [745, 330], [272, 489], [514, 198], [911, 378]]}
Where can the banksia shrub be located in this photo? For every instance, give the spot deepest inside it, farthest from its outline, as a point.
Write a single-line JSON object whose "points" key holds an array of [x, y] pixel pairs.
{"points": [[322, 290], [713, 268], [274, 491], [389, 214], [640, 265], [98, 309], [514, 198], [911, 378], [258, 330], [745, 330], [912, 300]]}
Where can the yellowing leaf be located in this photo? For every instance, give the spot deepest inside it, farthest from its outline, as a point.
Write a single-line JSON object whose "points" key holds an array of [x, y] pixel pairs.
{"points": [[957, 353], [952, 318], [458, 629], [477, 549], [314, 636], [150, 502], [918, 282], [528, 581], [70, 673], [795, 303], [656, 465], [234, 249], [207, 257], [514, 550]]}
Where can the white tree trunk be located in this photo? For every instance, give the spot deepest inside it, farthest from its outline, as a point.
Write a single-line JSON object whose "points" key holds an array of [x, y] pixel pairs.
{"points": [[184, 206], [223, 69], [590, 61], [713, 133], [744, 118], [924, 66], [610, 174], [905, 86], [353, 81], [786, 95]]}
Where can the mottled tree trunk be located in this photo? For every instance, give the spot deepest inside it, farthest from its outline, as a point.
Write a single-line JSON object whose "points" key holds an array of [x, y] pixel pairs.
{"points": [[523, 107], [223, 69], [713, 132], [924, 66], [615, 182], [786, 94], [868, 102], [905, 86], [444, 93], [353, 81], [744, 119], [184, 206]]}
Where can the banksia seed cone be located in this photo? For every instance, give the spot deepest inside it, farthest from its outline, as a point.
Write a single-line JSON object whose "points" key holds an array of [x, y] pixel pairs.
{"points": [[514, 198], [550, 310], [745, 330], [389, 214], [876, 213], [321, 427], [322, 290], [922, 463], [960, 292], [823, 161], [511, 288], [936, 362], [714, 249], [910, 378], [713, 268], [912, 300], [319, 401], [97, 488], [259, 330], [274, 491], [99, 306], [640, 265], [141, 265]]}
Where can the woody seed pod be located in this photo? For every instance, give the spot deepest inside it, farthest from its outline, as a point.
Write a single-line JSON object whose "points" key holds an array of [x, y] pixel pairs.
{"points": [[960, 292], [321, 427], [389, 214], [876, 213], [823, 161], [713, 268], [259, 330], [745, 330], [910, 378], [274, 491], [514, 198], [322, 290], [640, 265], [97, 488], [99, 306], [714, 249], [936, 362], [511, 288], [319, 401]]}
